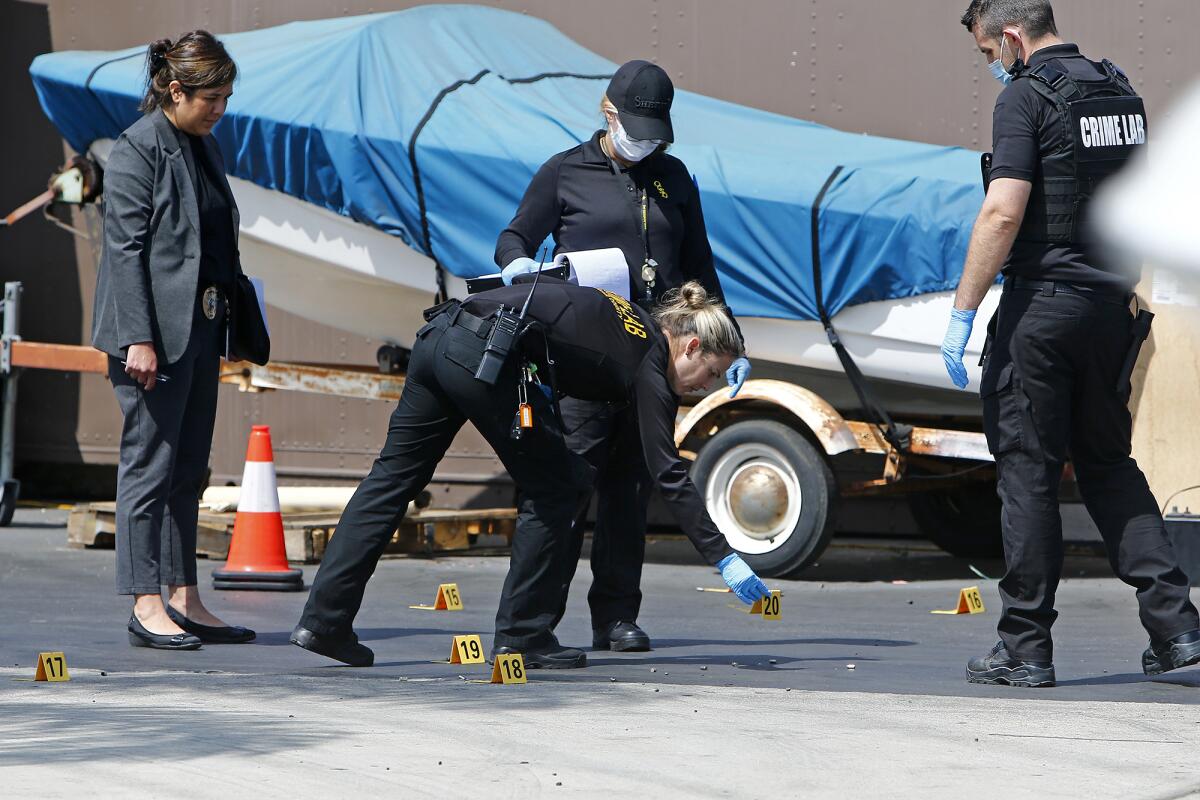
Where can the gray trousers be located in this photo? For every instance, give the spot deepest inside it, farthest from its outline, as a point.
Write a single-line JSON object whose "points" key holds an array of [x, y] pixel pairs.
{"points": [[165, 445]]}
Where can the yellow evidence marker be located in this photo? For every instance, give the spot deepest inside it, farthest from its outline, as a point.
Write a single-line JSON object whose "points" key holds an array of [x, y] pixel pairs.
{"points": [[466, 650], [508, 668], [769, 606], [448, 599], [969, 602], [52, 667]]}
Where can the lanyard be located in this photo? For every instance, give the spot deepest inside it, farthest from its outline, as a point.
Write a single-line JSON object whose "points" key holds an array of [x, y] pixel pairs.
{"points": [[648, 272], [641, 222]]}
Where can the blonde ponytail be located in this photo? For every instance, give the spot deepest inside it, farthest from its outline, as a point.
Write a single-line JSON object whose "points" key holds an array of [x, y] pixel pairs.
{"points": [[689, 311]]}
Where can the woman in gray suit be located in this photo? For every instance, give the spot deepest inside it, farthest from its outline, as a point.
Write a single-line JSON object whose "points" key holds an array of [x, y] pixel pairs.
{"points": [[168, 265]]}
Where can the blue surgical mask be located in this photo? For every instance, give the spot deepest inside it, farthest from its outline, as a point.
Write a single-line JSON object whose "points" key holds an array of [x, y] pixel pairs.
{"points": [[999, 72]]}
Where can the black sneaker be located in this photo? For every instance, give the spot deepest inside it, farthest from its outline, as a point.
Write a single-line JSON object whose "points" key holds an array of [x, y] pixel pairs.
{"points": [[1182, 651], [344, 649], [998, 667], [551, 656], [622, 637]]}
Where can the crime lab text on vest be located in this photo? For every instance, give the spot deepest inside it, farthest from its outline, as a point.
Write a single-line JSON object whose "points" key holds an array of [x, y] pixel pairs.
{"points": [[1103, 123]]}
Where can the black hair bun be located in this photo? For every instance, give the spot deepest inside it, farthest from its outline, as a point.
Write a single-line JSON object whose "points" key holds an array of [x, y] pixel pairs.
{"points": [[158, 55]]}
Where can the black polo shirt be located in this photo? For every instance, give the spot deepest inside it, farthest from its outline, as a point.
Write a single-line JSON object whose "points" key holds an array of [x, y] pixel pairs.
{"points": [[587, 202], [1025, 127], [218, 247]]}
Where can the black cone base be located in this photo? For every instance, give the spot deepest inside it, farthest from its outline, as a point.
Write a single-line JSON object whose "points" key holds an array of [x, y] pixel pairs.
{"points": [[291, 580]]}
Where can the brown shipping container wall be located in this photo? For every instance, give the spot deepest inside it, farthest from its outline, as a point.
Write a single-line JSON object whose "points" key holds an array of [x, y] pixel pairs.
{"points": [[903, 68]]}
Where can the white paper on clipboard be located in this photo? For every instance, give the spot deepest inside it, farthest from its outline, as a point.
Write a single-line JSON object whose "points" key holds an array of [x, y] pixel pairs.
{"points": [[601, 269]]}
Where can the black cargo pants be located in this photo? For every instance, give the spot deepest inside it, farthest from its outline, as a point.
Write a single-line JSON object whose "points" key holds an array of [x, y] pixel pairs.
{"points": [[1050, 393], [440, 395], [607, 435]]}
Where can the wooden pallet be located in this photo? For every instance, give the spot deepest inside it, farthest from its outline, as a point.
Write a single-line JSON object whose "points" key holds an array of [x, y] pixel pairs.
{"points": [[305, 535]]}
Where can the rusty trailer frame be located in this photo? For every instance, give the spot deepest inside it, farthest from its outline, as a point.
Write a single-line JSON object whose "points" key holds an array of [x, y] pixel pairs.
{"points": [[930, 448], [933, 449]]}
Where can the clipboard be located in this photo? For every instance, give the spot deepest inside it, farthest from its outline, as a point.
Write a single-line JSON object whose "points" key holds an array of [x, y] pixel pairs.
{"points": [[485, 283]]}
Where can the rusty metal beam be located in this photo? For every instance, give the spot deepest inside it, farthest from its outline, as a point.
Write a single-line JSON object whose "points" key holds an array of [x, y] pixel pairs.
{"points": [[926, 442], [343, 381], [64, 357]]}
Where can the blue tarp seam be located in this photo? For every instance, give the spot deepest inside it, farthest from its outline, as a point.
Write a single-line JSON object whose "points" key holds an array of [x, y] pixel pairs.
{"points": [[439, 271], [87, 84]]}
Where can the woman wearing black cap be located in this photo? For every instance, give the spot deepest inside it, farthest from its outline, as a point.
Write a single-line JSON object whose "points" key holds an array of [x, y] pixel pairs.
{"points": [[619, 189]]}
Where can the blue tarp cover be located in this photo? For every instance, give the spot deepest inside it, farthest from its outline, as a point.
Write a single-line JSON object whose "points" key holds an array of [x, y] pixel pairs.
{"points": [[325, 111]]}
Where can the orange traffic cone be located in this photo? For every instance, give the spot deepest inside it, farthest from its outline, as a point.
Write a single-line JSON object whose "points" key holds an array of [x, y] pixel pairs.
{"points": [[257, 559]]}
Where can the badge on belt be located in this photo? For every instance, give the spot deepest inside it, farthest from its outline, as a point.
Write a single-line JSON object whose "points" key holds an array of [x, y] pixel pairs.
{"points": [[209, 301]]}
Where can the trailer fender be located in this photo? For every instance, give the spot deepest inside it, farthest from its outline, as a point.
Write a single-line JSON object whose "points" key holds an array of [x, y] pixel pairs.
{"points": [[826, 424]]}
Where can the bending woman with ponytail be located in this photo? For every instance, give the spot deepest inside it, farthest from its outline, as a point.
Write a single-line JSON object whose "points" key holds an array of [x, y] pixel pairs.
{"points": [[169, 261], [600, 347]]}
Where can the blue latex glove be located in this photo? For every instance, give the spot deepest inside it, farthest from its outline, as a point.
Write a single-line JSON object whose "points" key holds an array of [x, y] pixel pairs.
{"points": [[736, 375], [955, 344], [518, 266], [739, 577]]}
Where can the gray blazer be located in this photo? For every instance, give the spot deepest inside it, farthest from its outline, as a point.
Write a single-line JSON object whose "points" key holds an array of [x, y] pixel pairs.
{"points": [[150, 264]]}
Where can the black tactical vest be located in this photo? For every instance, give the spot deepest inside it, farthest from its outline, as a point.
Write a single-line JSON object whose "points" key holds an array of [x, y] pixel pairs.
{"points": [[1104, 121]]}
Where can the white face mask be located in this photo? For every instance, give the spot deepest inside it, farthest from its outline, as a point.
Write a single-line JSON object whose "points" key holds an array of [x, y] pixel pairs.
{"points": [[628, 148]]}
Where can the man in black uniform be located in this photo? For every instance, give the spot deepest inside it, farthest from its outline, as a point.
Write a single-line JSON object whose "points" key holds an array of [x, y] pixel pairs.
{"points": [[1056, 371]]}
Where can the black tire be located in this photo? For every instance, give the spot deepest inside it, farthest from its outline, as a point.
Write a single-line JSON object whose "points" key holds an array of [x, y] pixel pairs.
{"points": [[964, 521], [777, 457]]}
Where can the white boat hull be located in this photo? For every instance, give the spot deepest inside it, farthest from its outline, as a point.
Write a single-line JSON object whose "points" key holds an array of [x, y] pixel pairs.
{"points": [[325, 267]]}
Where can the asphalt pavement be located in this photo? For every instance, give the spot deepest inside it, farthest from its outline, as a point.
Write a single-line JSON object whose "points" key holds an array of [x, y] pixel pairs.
{"points": [[857, 691]]}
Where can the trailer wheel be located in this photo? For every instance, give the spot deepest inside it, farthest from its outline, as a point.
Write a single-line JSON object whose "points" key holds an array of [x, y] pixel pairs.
{"points": [[964, 522], [770, 492]]}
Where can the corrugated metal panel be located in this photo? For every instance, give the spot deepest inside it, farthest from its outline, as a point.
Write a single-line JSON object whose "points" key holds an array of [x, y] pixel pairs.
{"points": [[906, 70]]}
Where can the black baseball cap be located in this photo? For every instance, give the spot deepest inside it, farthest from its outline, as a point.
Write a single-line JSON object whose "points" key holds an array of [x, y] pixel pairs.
{"points": [[642, 93]]}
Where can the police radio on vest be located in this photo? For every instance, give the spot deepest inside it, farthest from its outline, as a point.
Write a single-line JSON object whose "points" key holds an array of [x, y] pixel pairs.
{"points": [[1113, 130]]}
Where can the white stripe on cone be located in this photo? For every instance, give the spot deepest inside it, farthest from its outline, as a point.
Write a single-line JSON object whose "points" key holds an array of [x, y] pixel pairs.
{"points": [[259, 493]]}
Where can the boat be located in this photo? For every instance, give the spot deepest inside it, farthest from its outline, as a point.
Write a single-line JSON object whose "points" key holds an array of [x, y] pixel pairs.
{"points": [[376, 158]]}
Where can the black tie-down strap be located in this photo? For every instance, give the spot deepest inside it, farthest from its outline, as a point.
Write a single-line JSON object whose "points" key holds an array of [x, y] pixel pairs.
{"points": [[898, 435], [419, 187]]}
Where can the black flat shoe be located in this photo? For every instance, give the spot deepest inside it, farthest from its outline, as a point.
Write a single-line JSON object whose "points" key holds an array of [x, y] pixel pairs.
{"points": [[1182, 651], [345, 649], [998, 667], [622, 637], [230, 634], [140, 637], [553, 656]]}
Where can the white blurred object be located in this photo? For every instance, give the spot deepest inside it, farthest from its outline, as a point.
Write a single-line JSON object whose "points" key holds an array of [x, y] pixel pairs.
{"points": [[1149, 208]]}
